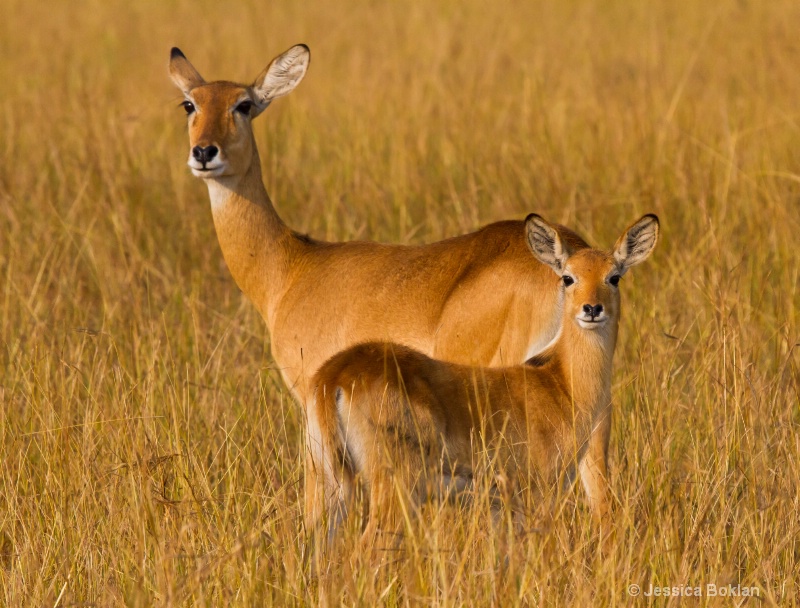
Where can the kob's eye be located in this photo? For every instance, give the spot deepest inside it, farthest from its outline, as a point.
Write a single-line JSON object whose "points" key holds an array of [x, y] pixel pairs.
{"points": [[188, 106], [244, 107], [614, 280], [568, 280]]}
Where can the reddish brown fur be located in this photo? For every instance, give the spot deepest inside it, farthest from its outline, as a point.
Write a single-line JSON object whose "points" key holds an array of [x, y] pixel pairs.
{"points": [[388, 413]]}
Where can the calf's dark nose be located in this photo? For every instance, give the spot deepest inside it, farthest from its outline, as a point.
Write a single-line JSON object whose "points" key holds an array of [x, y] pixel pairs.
{"points": [[593, 311], [204, 154]]}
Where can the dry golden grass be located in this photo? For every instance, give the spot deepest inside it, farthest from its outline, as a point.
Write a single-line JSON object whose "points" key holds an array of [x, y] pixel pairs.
{"points": [[150, 455]]}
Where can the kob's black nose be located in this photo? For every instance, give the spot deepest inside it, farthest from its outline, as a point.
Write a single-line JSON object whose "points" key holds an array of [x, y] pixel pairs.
{"points": [[204, 155], [593, 311]]}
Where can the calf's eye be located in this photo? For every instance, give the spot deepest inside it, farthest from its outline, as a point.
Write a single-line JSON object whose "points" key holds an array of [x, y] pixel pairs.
{"points": [[568, 280], [188, 106], [614, 280]]}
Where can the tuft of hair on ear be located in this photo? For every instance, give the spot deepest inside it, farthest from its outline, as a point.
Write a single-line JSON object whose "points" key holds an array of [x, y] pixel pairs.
{"points": [[545, 243], [637, 242], [282, 75], [299, 50]]}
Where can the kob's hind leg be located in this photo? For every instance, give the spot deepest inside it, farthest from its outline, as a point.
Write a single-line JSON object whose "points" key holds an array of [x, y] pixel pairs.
{"points": [[328, 478]]}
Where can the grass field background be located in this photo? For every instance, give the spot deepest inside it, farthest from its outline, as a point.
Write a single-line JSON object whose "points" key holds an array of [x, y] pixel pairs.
{"points": [[150, 454]]}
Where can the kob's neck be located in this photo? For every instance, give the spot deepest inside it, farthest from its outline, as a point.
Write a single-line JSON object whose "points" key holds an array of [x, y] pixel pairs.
{"points": [[253, 238]]}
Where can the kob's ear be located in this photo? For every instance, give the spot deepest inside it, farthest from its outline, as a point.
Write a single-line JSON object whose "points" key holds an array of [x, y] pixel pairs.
{"points": [[282, 75], [637, 242], [545, 243], [182, 72]]}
